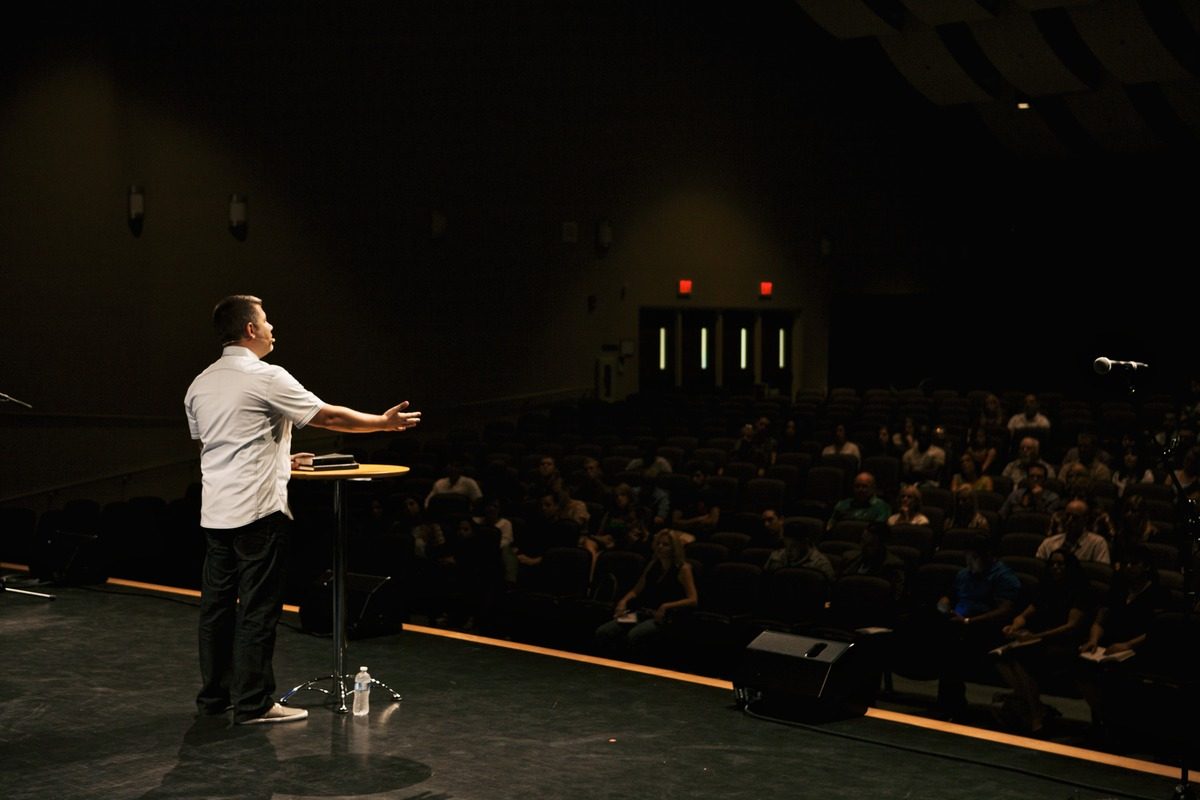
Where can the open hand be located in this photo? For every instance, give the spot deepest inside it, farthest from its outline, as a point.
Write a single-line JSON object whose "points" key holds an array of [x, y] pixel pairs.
{"points": [[397, 419]]}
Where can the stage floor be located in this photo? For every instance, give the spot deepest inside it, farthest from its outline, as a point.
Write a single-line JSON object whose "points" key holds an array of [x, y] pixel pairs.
{"points": [[96, 701]]}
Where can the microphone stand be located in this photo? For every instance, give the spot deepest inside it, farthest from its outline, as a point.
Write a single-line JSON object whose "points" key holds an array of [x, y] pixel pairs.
{"points": [[1190, 517]]}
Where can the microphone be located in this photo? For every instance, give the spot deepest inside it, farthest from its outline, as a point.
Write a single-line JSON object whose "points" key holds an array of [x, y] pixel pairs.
{"points": [[1103, 365]]}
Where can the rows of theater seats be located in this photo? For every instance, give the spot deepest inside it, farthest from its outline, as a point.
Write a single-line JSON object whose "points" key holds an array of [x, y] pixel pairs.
{"points": [[158, 540]]}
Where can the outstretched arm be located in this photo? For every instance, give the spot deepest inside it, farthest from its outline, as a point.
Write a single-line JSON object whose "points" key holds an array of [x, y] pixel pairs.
{"points": [[347, 420]]}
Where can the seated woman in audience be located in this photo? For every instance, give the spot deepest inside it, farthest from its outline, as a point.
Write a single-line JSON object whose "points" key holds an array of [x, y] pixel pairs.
{"points": [[1121, 625], [982, 451], [620, 514], [842, 446], [664, 586], [1188, 474], [908, 508], [882, 445], [992, 417], [1130, 471], [968, 475], [966, 511], [1045, 637]]}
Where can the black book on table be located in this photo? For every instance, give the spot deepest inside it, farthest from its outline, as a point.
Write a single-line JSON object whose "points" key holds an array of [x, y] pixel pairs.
{"points": [[327, 461]]}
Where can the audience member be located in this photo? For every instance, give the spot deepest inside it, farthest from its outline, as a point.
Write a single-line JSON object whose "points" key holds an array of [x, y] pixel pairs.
{"points": [[1130, 471], [1075, 538], [549, 528], [789, 440], [455, 483], [1187, 477], [904, 439], [1085, 459], [864, 504], [1045, 637], [966, 511], [982, 451], [653, 497], [765, 445], [883, 445], [696, 510], [592, 488], [1121, 625], [650, 464], [991, 416], [798, 551], [980, 602], [489, 516], [1031, 494], [545, 479], [968, 475], [1134, 528], [873, 558], [1029, 417], [908, 508], [1098, 520], [475, 572], [664, 586], [771, 533], [924, 461], [620, 514], [1028, 453], [843, 446]]}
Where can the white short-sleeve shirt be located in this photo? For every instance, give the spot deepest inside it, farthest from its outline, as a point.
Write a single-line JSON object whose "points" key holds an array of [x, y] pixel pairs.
{"points": [[242, 411]]}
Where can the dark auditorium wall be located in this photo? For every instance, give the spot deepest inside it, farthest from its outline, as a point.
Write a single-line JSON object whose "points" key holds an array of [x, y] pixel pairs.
{"points": [[409, 167], [350, 133]]}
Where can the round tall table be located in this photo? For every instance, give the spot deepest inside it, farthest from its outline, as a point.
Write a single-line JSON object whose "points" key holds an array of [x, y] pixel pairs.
{"points": [[339, 676]]}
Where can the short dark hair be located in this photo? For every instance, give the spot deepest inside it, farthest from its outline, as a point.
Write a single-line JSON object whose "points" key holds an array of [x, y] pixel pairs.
{"points": [[231, 316]]}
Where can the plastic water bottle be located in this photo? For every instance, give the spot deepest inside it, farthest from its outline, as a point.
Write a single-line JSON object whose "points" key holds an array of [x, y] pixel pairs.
{"points": [[362, 692]]}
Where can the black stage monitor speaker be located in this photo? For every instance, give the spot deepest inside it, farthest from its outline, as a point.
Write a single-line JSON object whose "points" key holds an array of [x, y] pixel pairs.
{"points": [[372, 606], [799, 677]]}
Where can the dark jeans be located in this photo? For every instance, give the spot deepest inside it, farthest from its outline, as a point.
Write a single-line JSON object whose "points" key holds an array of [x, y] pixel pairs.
{"points": [[237, 639]]}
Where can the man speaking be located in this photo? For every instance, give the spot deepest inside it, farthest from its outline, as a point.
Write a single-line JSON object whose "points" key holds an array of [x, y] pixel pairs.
{"points": [[242, 411]]}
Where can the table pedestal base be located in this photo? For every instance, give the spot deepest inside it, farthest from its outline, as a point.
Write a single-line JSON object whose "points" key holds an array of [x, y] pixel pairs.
{"points": [[339, 693]]}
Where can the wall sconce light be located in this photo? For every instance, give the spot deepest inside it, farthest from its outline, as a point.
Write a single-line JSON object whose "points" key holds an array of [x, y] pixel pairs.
{"points": [[685, 288], [238, 219], [765, 289], [137, 209]]}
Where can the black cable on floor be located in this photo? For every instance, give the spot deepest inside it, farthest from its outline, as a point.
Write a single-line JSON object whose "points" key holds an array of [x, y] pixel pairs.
{"points": [[948, 756]]}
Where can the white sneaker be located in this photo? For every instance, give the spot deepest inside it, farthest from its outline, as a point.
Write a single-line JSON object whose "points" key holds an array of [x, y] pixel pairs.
{"points": [[278, 713]]}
